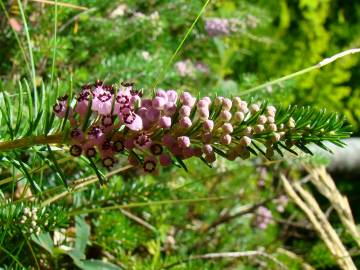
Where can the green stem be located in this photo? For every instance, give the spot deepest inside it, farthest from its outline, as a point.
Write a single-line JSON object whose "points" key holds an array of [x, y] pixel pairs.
{"points": [[319, 65], [162, 74], [151, 203], [30, 141]]}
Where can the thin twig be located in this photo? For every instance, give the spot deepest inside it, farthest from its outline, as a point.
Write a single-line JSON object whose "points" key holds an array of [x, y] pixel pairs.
{"points": [[138, 220], [81, 184], [251, 253], [319, 65], [163, 71], [60, 4]]}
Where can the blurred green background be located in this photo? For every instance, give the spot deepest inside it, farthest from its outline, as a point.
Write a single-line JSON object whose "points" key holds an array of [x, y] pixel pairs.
{"points": [[134, 40]]}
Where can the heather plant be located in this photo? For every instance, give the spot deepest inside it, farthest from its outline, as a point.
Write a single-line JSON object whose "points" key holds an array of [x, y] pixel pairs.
{"points": [[130, 145]]}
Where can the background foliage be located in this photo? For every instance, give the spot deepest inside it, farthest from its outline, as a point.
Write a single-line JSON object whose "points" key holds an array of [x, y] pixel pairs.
{"points": [[133, 40]]}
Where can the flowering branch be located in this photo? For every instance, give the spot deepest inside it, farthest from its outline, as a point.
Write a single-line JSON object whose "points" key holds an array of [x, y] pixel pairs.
{"points": [[167, 129]]}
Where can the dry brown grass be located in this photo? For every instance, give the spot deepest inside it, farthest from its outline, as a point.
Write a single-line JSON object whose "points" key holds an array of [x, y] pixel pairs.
{"points": [[307, 203]]}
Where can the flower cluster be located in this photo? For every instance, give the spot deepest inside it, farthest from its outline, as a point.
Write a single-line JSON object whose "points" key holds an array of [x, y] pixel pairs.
{"points": [[30, 218], [186, 68], [281, 203], [168, 128], [263, 217], [222, 27]]}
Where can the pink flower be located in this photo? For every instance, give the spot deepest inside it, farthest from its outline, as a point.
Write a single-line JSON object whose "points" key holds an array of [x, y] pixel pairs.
{"points": [[102, 102], [149, 164], [61, 106]]}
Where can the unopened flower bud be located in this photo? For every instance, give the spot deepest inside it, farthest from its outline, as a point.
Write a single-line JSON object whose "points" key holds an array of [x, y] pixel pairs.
{"points": [[203, 113], [271, 110], [272, 127], [275, 137], [271, 119], [254, 108], [158, 103], [291, 123], [243, 107], [248, 131], [183, 141], [185, 122], [262, 119], [187, 99], [185, 110], [226, 104], [225, 139], [207, 149], [236, 101], [245, 141], [259, 128], [225, 116], [208, 125], [165, 122], [227, 128], [239, 117]]}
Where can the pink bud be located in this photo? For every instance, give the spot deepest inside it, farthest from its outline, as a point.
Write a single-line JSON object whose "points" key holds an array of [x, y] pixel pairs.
{"points": [[254, 108], [207, 99], [245, 141], [185, 122], [203, 103], [169, 108], [259, 128], [165, 122], [239, 117], [165, 160], [262, 119], [187, 99], [162, 93], [172, 96], [185, 110], [226, 104], [207, 149], [158, 103], [225, 116], [208, 125], [225, 139], [271, 110], [183, 141], [203, 113], [227, 128]]}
